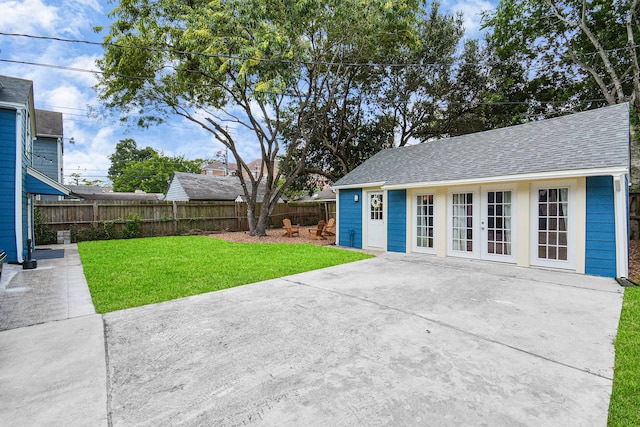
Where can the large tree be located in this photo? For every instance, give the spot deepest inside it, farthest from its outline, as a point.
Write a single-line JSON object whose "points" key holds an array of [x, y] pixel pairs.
{"points": [[234, 65], [127, 151], [576, 54], [423, 88], [146, 169], [153, 175]]}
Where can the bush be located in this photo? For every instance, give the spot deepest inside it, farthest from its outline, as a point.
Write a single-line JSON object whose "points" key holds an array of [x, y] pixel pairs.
{"points": [[43, 234], [131, 229]]}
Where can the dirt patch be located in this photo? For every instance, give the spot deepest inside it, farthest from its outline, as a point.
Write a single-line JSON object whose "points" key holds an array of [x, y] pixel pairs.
{"points": [[634, 261], [275, 235]]}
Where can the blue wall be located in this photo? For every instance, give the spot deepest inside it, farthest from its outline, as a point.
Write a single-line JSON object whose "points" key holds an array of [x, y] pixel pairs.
{"points": [[350, 217], [397, 221], [7, 182], [600, 259]]}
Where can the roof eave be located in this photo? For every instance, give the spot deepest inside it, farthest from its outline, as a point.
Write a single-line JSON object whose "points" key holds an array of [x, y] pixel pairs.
{"points": [[565, 174], [351, 186]]}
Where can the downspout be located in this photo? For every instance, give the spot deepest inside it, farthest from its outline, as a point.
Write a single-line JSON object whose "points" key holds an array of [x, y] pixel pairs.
{"points": [[18, 194], [620, 188]]}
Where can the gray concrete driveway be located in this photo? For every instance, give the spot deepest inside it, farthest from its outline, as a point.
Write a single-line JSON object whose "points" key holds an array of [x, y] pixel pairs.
{"points": [[395, 340]]}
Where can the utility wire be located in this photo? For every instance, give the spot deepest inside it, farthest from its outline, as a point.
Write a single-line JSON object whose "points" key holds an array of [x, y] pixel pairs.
{"points": [[235, 57]]}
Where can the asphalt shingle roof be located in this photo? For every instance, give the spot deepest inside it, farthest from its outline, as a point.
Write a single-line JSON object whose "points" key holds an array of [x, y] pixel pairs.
{"points": [[587, 140], [204, 187], [14, 90], [48, 123]]}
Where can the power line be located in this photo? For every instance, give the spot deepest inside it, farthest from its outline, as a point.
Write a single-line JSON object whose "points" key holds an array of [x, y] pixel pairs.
{"points": [[260, 59]]}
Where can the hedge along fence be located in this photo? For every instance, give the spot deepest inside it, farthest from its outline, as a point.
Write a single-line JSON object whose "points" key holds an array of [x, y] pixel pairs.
{"points": [[109, 219]]}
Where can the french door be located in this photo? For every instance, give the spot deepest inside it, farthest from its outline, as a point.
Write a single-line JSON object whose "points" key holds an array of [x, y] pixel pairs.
{"points": [[482, 223]]}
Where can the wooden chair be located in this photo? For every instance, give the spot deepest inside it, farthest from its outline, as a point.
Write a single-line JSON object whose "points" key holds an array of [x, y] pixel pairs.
{"points": [[328, 229], [290, 230], [316, 233]]}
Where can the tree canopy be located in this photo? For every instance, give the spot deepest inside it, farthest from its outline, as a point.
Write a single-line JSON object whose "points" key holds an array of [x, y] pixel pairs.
{"points": [[277, 69], [146, 169], [579, 54]]}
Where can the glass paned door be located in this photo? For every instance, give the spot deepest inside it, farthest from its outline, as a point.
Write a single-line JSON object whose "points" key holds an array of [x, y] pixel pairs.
{"points": [[498, 223], [424, 221], [553, 204], [462, 222], [375, 223]]}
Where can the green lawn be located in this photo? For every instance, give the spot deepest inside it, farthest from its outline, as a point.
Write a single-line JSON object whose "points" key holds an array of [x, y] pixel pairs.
{"points": [[624, 409], [129, 273]]}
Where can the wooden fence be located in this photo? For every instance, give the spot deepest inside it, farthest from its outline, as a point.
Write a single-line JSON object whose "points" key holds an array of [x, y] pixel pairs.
{"points": [[634, 216], [99, 219]]}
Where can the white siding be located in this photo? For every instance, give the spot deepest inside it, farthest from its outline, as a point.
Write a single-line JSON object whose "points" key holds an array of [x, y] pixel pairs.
{"points": [[176, 192]]}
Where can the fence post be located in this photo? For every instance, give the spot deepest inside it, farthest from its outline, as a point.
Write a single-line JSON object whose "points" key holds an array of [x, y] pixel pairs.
{"points": [[96, 217], [175, 217]]}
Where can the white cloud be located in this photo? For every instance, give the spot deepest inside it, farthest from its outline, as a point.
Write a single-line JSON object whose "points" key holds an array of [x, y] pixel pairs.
{"points": [[29, 16]]}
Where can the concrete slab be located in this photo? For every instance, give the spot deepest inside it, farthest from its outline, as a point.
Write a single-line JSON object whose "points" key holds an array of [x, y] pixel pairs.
{"points": [[55, 290], [396, 340], [54, 374]]}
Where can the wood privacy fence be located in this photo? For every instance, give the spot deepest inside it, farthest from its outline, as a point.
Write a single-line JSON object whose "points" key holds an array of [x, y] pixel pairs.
{"points": [[634, 216], [94, 219]]}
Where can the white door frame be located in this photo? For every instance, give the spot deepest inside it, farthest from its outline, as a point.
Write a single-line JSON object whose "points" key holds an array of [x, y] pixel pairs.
{"points": [[376, 232], [570, 263], [479, 222], [460, 226], [413, 212], [484, 222]]}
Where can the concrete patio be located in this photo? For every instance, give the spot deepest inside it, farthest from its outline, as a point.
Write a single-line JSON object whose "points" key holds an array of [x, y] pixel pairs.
{"points": [[395, 340]]}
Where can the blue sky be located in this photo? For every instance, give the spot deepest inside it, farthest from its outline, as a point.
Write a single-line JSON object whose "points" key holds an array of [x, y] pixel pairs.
{"points": [[71, 92]]}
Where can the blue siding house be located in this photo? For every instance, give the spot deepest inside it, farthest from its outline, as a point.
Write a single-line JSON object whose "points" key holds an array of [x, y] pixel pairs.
{"points": [[48, 147], [20, 182], [551, 193]]}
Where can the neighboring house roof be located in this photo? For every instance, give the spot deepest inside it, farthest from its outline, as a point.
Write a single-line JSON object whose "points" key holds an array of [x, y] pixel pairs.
{"points": [[15, 91], [325, 195], [190, 186], [592, 139], [95, 192], [220, 166], [49, 123]]}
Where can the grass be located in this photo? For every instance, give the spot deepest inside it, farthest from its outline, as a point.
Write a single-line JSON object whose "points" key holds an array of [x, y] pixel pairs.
{"points": [[129, 273], [624, 408]]}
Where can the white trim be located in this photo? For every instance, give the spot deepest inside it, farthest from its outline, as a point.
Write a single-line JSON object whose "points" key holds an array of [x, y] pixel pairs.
{"points": [[13, 105], [354, 186], [413, 221], [475, 224], [47, 180], [367, 218], [484, 232], [18, 190], [621, 210], [572, 231], [577, 173]]}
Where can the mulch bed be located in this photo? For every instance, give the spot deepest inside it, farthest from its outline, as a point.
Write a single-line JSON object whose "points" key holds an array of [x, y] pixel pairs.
{"points": [[275, 235]]}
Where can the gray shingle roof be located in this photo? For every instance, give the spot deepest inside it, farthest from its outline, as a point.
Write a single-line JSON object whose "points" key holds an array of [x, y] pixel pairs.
{"points": [[204, 187], [15, 90], [48, 123], [587, 140]]}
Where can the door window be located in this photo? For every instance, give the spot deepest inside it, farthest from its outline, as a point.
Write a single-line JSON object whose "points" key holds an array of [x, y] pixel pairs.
{"points": [[499, 222], [462, 227], [424, 221], [553, 206], [376, 206]]}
